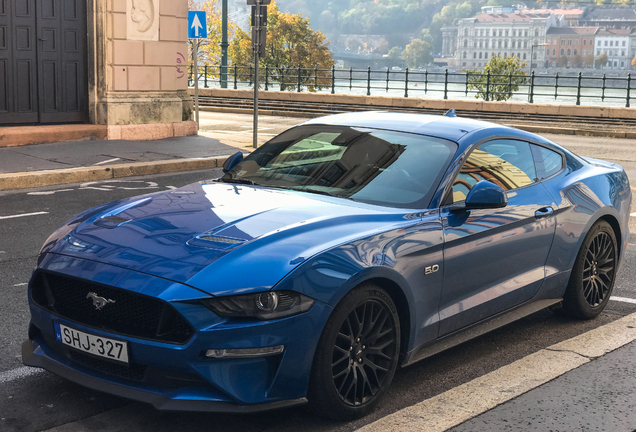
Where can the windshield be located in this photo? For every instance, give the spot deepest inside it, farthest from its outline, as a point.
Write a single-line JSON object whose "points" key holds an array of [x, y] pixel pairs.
{"points": [[381, 167]]}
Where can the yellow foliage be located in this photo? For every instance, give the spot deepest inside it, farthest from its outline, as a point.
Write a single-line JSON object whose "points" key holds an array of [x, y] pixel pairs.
{"points": [[210, 48]]}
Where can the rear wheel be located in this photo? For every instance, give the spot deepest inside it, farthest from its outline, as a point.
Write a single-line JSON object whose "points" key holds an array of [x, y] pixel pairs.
{"points": [[357, 355], [593, 274]]}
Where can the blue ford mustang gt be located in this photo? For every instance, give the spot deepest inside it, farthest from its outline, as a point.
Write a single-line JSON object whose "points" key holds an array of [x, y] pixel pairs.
{"points": [[343, 248]]}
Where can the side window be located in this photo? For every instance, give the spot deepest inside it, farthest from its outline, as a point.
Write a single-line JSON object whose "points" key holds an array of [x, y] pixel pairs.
{"points": [[548, 162], [507, 163]]}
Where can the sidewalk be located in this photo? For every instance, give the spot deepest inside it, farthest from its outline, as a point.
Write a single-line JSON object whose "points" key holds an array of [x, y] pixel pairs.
{"points": [[78, 161], [598, 396]]}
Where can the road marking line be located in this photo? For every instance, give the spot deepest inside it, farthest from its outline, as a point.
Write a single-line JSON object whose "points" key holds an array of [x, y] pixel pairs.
{"points": [[20, 284], [19, 373], [475, 397], [107, 161], [623, 299], [50, 192], [23, 215]]}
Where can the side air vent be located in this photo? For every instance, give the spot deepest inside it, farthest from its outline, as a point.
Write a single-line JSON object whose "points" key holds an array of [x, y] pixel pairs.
{"points": [[226, 240], [215, 242]]}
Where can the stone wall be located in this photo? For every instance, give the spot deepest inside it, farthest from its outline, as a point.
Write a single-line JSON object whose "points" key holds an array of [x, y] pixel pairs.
{"points": [[141, 61]]}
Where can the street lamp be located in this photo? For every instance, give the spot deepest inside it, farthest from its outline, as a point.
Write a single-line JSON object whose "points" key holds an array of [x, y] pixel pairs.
{"points": [[532, 53]]}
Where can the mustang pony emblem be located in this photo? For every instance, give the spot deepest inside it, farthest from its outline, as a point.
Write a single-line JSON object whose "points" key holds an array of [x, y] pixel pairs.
{"points": [[99, 302]]}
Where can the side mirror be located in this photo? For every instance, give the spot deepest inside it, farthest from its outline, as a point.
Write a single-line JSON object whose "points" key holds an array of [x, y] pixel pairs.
{"points": [[232, 161], [484, 195]]}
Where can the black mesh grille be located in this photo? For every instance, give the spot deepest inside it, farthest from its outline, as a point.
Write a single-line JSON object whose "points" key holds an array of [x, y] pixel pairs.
{"points": [[116, 219], [129, 314], [133, 371]]}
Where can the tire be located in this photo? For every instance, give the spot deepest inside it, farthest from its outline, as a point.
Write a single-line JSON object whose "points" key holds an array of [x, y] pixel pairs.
{"points": [[357, 355], [593, 275]]}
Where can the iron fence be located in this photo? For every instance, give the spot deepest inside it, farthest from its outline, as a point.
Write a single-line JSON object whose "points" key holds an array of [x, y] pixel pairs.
{"points": [[590, 89]]}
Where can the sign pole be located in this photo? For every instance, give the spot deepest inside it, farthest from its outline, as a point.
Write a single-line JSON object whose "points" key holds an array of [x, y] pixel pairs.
{"points": [[256, 44], [195, 50]]}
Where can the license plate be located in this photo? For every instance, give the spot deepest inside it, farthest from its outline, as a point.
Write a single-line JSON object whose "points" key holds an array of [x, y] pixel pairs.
{"points": [[100, 346]]}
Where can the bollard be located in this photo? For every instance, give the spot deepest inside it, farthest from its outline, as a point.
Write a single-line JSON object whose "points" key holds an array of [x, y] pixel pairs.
{"points": [[350, 78], [629, 88], [425, 81], [235, 77], [603, 89], [205, 77], [299, 80], [387, 79], [531, 88], [556, 85], [369, 81], [266, 78]]}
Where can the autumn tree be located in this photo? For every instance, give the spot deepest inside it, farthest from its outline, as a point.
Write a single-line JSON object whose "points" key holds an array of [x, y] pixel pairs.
{"points": [[291, 43], [210, 48], [417, 53], [395, 54], [562, 62], [577, 61], [634, 61], [588, 60], [506, 75], [602, 59]]}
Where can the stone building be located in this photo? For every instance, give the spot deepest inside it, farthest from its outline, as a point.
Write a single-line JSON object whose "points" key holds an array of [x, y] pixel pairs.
{"points": [[614, 42], [609, 17], [569, 46], [505, 34], [106, 62]]}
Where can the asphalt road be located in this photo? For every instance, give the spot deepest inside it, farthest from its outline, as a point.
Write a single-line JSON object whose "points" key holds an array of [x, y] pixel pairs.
{"points": [[34, 401]]}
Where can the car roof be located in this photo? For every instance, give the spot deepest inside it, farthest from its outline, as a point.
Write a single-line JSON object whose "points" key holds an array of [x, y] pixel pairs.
{"points": [[452, 128]]}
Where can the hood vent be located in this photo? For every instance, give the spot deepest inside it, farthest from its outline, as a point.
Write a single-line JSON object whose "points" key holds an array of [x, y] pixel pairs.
{"points": [[215, 242], [116, 219]]}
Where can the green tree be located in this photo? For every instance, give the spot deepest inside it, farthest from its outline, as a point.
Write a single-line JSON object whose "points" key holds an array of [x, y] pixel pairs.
{"points": [[291, 43], [589, 60], [395, 54], [602, 59], [577, 61], [506, 75], [563, 61], [417, 53]]}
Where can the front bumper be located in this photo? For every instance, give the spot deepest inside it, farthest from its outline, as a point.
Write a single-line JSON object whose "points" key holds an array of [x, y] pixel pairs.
{"points": [[180, 376], [34, 354]]}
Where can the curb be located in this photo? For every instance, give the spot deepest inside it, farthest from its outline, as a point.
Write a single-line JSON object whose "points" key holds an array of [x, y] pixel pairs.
{"points": [[27, 180], [466, 401], [525, 127]]}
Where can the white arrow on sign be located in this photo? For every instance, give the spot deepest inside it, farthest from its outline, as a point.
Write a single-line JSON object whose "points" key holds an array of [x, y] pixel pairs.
{"points": [[196, 25]]}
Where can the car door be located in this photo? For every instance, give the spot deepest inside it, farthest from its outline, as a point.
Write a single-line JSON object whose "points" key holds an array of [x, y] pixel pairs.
{"points": [[494, 259]]}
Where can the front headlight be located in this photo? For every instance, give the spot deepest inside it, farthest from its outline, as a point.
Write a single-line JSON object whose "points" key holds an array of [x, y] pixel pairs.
{"points": [[264, 306]]}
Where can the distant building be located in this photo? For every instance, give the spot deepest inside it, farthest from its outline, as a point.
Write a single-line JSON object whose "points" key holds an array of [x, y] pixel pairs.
{"points": [[569, 45], [449, 41], [612, 17], [569, 16], [505, 34], [614, 42]]}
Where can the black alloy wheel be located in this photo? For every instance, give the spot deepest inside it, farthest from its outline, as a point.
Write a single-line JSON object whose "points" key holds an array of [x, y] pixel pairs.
{"points": [[598, 269], [593, 274], [357, 355]]}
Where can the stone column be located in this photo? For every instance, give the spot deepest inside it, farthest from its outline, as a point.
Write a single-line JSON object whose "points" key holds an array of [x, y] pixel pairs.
{"points": [[138, 69]]}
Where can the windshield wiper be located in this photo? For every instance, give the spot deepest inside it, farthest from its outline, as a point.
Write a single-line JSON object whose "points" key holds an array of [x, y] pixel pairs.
{"points": [[239, 181], [320, 192]]}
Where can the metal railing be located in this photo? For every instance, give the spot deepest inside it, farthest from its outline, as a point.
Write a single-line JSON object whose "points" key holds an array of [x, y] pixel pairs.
{"points": [[592, 89]]}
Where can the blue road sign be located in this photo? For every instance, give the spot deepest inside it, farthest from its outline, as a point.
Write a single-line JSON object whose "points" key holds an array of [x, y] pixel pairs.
{"points": [[197, 25]]}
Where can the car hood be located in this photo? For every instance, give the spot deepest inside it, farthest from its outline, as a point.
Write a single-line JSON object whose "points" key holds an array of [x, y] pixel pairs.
{"points": [[220, 238]]}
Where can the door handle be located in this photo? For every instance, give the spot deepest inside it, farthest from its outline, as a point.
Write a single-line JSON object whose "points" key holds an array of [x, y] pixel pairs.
{"points": [[544, 212]]}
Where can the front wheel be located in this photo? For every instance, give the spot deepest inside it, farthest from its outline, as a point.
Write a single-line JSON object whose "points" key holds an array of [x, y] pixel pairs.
{"points": [[357, 355], [593, 274]]}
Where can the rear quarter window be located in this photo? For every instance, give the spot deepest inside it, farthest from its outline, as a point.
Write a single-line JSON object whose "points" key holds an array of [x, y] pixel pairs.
{"points": [[547, 162]]}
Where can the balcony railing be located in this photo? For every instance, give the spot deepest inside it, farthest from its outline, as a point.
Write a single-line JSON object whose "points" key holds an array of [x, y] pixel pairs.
{"points": [[594, 88]]}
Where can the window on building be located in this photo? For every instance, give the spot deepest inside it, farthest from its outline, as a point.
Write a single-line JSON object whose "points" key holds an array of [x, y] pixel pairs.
{"points": [[524, 56], [623, 53], [622, 64], [623, 43], [584, 41], [562, 41], [598, 52], [569, 41], [592, 42], [474, 56], [576, 41], [599, 43], [575, 52], [525, 44], [562, 51], [611, 43], [536, 33], [499, 44], [569, 52], [506, 33], [505, 44], [465, 43], [526, 33], [583, 53], [553, 51], [480, 55], [464, 55], [486, 55]]}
